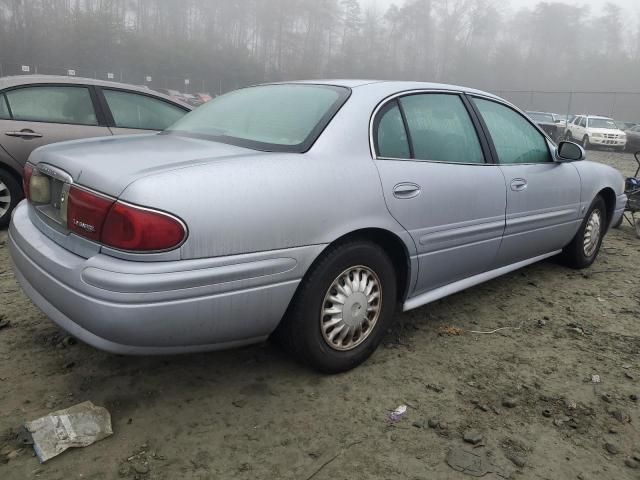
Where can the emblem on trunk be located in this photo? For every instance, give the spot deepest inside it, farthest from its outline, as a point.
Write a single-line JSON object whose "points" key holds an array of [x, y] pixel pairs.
{"points": [[84, 226]]}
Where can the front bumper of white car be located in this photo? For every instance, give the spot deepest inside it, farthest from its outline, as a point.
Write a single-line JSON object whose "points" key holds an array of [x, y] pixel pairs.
{"points": [[608, 140]]}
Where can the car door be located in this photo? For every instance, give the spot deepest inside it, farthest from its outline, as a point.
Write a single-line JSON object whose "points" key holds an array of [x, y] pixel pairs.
{"points": [[580, 129], [439, 186], [543, 196], [131, 112], [576, 129], [44, 114]]}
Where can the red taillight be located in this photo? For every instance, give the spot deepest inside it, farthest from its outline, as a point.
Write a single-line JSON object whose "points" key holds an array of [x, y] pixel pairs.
{"points": [[141, 230], [120, 225], [86, 213], [26, 178]]}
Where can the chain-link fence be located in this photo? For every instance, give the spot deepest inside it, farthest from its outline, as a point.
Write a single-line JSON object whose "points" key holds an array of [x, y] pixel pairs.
{"points": [[622, 106], [186, 83]]}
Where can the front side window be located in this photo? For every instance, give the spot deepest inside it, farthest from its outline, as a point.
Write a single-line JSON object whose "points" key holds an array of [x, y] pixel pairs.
{"points": [[391, 136], [583, 122], [132, 110], [55, 104], [440, 129], [515, 139], [4, 110], [285, 117]]}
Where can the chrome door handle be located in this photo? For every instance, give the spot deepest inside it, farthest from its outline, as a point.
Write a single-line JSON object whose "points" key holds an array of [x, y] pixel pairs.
{"points": [[24, 134], [518, 185], [407, 190]]}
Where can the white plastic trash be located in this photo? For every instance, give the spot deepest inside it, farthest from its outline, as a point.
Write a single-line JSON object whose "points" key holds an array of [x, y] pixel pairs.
{"points": [[77, 426]]}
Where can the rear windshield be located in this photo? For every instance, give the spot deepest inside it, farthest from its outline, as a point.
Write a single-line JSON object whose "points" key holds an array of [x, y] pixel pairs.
{"points": [[541, 117], [284, 118]]}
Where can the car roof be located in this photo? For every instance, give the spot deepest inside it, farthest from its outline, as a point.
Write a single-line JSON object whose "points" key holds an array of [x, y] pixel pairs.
{"points": [[390, 85], [20, 80], [598, 117]]}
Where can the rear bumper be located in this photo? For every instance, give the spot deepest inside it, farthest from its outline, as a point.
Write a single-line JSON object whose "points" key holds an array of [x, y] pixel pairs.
{"points": [[621, 203], [144, 308]]}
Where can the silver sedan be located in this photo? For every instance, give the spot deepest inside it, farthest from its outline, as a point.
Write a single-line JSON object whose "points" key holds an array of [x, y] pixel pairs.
{"points": [[309, 211]]}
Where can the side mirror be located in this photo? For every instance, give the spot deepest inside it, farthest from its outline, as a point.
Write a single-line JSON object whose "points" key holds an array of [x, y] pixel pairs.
{"points": [[569, 152]]}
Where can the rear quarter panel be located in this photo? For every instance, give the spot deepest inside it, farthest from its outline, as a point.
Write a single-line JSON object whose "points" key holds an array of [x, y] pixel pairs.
{"points": [[596, 177], [7, 160], [267, 202]]}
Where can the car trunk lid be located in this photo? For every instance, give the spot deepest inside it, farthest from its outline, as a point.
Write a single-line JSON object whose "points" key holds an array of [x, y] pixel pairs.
{"points": [[109, 165]]}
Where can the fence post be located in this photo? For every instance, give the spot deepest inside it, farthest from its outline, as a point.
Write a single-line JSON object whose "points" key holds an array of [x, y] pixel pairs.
{"points": [[613, 107]]}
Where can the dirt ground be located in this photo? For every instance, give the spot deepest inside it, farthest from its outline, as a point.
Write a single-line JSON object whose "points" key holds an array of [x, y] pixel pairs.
{"points": [[528, 391]]}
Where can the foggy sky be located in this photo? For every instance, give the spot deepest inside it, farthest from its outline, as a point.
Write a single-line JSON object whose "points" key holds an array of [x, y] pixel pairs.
{"points": [[631, 5]]}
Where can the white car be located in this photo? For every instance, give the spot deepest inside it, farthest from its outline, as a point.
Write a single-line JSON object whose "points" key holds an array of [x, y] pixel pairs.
{"points": [[591, 131]]}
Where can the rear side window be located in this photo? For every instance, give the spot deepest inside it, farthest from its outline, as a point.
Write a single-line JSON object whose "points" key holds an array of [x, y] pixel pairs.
{"points": [[55, 104], [131, 110], [515, 139], [391, 136], [4, 110], [441, 129]]}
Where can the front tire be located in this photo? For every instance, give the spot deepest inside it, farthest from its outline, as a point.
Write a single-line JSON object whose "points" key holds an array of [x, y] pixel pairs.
{"points": [[586, 144], [342, 308], [585, 246], [10, 195]]}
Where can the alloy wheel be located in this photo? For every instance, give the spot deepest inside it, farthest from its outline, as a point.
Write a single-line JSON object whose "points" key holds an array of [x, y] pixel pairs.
{"points": [[5, 199]]}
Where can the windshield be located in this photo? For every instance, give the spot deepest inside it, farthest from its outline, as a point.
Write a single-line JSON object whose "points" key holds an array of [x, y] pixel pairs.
{"points": [[285, 118], [541, 117], [602, 123]]}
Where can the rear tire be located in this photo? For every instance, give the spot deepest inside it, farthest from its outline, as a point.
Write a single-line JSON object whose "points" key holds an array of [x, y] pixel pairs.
{"points": [[321, 313], [10, 195], [585, 246]]}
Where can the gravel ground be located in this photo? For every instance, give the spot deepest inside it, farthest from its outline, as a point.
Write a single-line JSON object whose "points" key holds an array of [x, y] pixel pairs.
{"points": [[526, 392]]}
